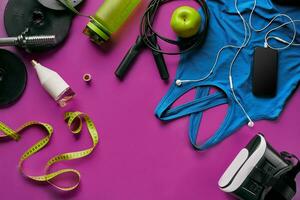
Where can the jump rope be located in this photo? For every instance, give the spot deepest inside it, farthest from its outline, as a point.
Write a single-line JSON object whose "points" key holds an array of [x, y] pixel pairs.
{"points": [[148, 39], [247, 36]]}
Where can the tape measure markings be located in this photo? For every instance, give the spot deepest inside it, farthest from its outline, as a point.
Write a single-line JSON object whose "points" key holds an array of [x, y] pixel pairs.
{"points": [[71, 118]]}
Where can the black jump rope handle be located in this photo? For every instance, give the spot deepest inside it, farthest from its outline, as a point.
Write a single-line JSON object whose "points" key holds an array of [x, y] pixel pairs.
{"points": [[159, 60], [132, 54], [130, 57]]}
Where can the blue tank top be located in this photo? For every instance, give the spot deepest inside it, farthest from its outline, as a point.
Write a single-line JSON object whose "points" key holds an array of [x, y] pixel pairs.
{"points": [[225, 28]]}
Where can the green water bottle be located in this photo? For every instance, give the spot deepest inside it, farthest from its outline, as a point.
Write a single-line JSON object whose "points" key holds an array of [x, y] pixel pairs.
{"points": [[111, 15]]}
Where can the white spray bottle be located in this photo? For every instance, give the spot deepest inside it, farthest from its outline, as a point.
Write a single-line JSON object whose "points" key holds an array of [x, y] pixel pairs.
{"points": [[54, 84]]}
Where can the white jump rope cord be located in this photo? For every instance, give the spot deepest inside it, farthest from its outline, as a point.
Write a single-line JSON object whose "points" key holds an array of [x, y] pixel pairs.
{"points": [[247, 29]]}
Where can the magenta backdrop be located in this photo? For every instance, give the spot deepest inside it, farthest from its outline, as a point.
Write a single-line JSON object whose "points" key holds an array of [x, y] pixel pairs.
{"points": [[139, 157]]}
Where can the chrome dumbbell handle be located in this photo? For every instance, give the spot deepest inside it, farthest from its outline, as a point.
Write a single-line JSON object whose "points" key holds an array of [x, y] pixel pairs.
{"points": [[28, 41]]}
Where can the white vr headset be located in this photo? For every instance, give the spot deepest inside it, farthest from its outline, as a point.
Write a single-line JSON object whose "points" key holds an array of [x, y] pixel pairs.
{"points": [[260, 173]]}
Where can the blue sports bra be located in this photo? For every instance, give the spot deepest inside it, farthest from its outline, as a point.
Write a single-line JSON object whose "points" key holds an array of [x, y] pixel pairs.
{"points": [[226, 27]]}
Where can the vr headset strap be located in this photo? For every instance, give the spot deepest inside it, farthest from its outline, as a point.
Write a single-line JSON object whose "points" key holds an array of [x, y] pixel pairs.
{"points": [[286, 192], [285, 186], [295, 171], [282, 187]]}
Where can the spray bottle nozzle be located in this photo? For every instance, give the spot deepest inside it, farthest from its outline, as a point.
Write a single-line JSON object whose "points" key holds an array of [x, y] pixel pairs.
{"points": [[34, 63]]}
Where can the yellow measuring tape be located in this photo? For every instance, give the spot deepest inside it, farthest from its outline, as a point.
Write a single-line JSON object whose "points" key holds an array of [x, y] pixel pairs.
{"points": [[75, 121]]}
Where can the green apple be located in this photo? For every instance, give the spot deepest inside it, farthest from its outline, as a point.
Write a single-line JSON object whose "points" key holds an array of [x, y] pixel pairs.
{"points": [[186, 21]]}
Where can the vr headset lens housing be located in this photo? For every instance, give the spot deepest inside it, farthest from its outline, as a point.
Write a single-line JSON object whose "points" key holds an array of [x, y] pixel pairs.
{"points": [[259, 172]]}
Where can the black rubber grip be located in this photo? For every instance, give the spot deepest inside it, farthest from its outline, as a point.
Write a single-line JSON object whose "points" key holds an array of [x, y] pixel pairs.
{"points": [[159, 60], [129, 59]]}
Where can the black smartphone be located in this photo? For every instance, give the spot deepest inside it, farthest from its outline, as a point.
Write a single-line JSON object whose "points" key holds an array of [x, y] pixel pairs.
{"points": [[265, 72]]}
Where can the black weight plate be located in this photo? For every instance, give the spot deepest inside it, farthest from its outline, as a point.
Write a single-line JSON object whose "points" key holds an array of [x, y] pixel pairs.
{"points": [[13, 78], [56, 5], [22, 14]]}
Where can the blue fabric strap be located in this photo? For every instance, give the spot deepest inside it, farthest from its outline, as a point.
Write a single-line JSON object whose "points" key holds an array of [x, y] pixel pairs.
{"points": [[195, 121], [203, 101]]}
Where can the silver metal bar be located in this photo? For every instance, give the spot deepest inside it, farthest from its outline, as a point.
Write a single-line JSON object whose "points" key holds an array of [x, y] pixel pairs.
{"points": [[28, 41], [9, 41]]}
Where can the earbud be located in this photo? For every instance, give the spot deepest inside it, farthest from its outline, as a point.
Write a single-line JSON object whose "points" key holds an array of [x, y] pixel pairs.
{"points": [[178, 83], [251, 124]]}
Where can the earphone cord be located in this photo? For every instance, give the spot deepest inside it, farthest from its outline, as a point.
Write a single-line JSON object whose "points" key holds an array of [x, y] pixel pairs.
{"points": [[247, 37], [267, 37], [247, 29], [245, 43]]}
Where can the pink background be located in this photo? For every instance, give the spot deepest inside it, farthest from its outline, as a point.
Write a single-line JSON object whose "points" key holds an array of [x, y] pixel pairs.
{"points": [[139, 157]]}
